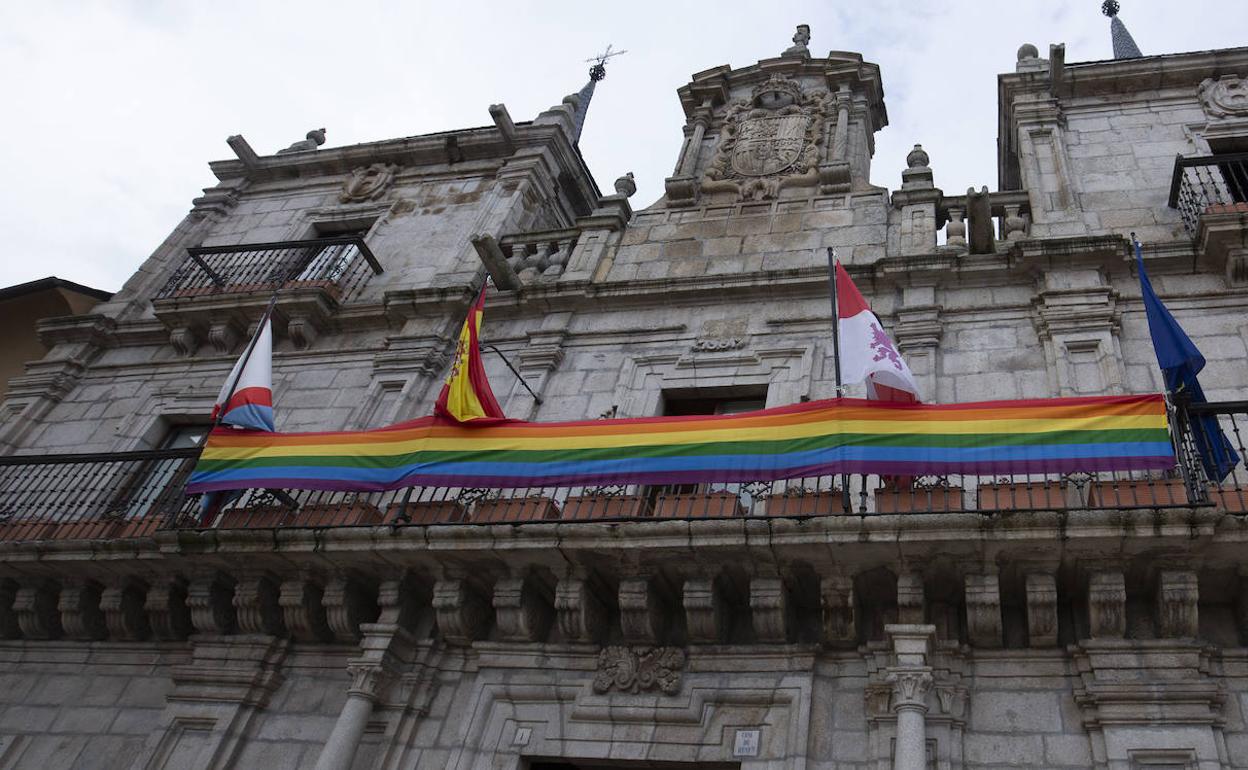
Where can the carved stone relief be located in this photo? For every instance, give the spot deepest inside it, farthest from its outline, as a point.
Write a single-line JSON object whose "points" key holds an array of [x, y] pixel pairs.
{"points": [[769, 141], [639, 669], [1226, 97], [367, 182]]}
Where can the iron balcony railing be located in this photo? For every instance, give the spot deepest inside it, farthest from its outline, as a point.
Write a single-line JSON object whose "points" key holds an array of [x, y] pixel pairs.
{"points": [[134, 494], [1209, 184], [338, 266]]}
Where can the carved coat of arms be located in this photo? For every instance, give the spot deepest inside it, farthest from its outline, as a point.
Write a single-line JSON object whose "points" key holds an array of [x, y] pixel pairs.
{"points": [[769, 141], [769, 145]]}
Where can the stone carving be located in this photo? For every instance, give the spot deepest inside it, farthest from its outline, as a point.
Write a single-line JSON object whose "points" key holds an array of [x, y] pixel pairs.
{"points": [[704, 610], [1107, 604], [642, 615], [367, 679], [1226, 97], [876, 699], [710, 345], [303, 612], [167, 611], [462, 615], [581, 616], [122, 605], [79, 606], [522, 609], [1041, 609], [347, 605], [769, 604], [367, 182], [209, 599], [952, 701], [639, 669], [910, 688], [36, 609], [314, 139], [256, 606], [769, 141], [302, 331], [184, 341], [910, 604], [223, 336], [626, 185], [983, 610], [1177, 598], [839, 626], [801, 39]]}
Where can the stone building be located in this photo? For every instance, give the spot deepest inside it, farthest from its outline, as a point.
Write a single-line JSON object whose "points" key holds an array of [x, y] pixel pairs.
{"points": [[22, 307], [1085, 621]]}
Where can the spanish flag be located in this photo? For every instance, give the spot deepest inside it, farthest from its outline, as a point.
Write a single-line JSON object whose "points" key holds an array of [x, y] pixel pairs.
{"points": [[466, 396]]}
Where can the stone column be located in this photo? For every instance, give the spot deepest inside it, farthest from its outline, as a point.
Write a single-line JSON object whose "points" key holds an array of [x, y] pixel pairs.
{"points": [[367, 680], [911, 680], [689, 162]]}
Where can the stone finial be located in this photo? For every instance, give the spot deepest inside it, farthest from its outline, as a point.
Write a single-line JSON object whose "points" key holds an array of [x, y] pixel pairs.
{"points": [[625, 185], [917, 174], [1110, 8], [1028, 51], [315, 138], [800, 39]]}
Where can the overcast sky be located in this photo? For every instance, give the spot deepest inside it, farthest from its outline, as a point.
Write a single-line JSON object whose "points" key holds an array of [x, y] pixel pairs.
{"points": [[113, 109]]}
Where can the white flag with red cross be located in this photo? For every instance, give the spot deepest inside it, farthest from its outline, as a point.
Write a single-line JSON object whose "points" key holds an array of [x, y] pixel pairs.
{"points": [[867, 353]]}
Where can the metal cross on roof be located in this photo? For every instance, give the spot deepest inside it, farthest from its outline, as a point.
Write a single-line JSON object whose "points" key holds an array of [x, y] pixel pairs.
{"points": [[599, 70]]}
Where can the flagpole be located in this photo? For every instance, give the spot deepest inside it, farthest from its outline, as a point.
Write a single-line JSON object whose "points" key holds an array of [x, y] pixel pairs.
{"points": [[836, 355], [836, 318]]}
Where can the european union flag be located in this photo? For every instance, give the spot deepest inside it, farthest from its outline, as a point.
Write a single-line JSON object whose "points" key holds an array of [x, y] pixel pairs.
{"points": [[1180, 362]]}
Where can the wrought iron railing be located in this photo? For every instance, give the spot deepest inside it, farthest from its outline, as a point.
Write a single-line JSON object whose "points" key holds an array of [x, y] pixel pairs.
{"points": [[338, 266], [1209, 184], [135, 494], [122, 494]]}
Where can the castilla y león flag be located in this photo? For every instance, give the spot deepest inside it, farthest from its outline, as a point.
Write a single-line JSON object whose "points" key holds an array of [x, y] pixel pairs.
{"points": [[867, 353], [246, 399], [466, 396]]}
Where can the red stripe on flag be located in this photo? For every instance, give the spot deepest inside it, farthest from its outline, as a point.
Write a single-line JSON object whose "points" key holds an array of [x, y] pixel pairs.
{"points": [[256, 396], [849, 301]]}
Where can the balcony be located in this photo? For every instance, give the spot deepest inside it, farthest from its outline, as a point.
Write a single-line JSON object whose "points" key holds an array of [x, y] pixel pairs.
{"points": [[137, 494], [1210, 193], [219, 291]]}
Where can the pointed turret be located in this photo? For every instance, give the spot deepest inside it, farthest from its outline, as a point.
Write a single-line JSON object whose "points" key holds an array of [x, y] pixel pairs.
{"points": [[596, 73], [1124, 44]]}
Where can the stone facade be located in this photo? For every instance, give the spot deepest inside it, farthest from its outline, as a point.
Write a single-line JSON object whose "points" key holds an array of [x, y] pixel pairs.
{"points": [[1091, 638]]}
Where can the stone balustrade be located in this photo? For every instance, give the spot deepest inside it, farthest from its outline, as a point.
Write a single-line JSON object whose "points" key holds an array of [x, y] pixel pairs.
{"points": [[539, 255]]}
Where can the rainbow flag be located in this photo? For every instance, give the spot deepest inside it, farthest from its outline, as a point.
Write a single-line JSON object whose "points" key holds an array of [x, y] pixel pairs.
{"points": [[811, 439]]}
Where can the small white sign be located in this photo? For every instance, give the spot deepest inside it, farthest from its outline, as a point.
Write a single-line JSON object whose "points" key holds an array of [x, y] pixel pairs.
{"points": [[523, 734], [746, 744]]}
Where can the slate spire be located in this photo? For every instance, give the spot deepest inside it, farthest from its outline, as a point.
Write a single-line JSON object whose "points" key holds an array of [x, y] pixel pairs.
{"points": [[1124, 44], [596, 73]]}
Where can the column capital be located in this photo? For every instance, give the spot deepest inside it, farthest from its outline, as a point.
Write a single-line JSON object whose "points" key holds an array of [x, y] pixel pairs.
{"points": [[910, 688]]}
